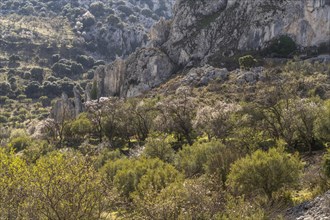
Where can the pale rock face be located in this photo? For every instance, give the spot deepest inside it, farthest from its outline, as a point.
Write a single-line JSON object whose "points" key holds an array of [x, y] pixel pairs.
{"points": [[142, 71], [66, 108], [201, 29]]}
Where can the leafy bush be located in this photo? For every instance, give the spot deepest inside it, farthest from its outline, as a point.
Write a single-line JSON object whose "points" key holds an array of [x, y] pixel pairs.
{"points": [[37, 74], [20, 143], [74, 189], [13, 173], [326, 164], [139, 175], [97, 8], [247, 62], [282, 46], [159, 146], [212, 158], [5, 88], [86, 61], [265, 172]]}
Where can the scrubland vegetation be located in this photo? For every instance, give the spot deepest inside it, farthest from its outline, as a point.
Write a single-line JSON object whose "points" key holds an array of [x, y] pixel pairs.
{"points": [[194, 153], [227, 149]]}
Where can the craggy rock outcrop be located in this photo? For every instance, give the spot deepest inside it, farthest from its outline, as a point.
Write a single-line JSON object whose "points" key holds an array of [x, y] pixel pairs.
{"points": [[204, 32], [318, 209], [205, 29], [201, 76], [124, 28], [66, 108], [142, 71]]}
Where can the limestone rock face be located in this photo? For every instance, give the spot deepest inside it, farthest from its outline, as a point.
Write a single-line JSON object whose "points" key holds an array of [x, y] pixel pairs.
{"points": [[201, 76], [66, 108], [140, 72], [203, 29]]}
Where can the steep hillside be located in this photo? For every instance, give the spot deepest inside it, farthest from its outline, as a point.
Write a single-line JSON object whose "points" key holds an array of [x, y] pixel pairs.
{"points": [[218, 32], [107, 28], [50, 47]]}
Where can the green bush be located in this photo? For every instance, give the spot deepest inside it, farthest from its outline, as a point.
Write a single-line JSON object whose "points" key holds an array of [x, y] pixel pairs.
{"points": [[13, 172], [247, 62], [3, 119], [74, 189], [282, 46], [159, 146], [265, 172], [212, 158], [97, 8], [326, 164], [37, 74], [139, 175], [19, 143]]}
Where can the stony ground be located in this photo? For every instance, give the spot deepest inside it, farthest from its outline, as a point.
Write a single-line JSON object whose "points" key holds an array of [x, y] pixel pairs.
{"points": [[317, 209]]}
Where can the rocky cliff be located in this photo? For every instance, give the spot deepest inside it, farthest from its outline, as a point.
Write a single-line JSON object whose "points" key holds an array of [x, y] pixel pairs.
{"points": [[204, 32], [142, 71]]}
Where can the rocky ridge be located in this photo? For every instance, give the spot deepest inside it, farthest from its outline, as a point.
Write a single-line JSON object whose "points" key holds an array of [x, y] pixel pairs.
{"points": [[204, 32]]}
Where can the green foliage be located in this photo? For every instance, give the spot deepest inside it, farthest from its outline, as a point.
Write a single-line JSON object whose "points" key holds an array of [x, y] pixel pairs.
{"points": [[326, 164], [322, 126], [139, 175], [240, 209], [13, 182], [247, 62], [282, 46], [191, 159], [94, 91], [66, 186], [212, 158], [265, 173], [81, 127], [19, 142], [35, 150], [159, 146], [191, 199]]}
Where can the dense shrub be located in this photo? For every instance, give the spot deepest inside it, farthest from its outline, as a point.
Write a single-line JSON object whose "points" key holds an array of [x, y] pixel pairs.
{"points": [[19, 143], [13, 173], [73, 186], [37, 74], [159, 146], [247, 62], [282, 46], [97, 8], [87, 62], [61, 69], [265, 172], [212, 158], [5, 88], [139, 175], [326, 164], [33, 90]]}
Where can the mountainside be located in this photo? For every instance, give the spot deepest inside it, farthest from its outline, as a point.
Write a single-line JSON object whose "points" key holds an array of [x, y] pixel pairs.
{"points": [[109, 29], [205, 30], [217, 32], [164, 109]]}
